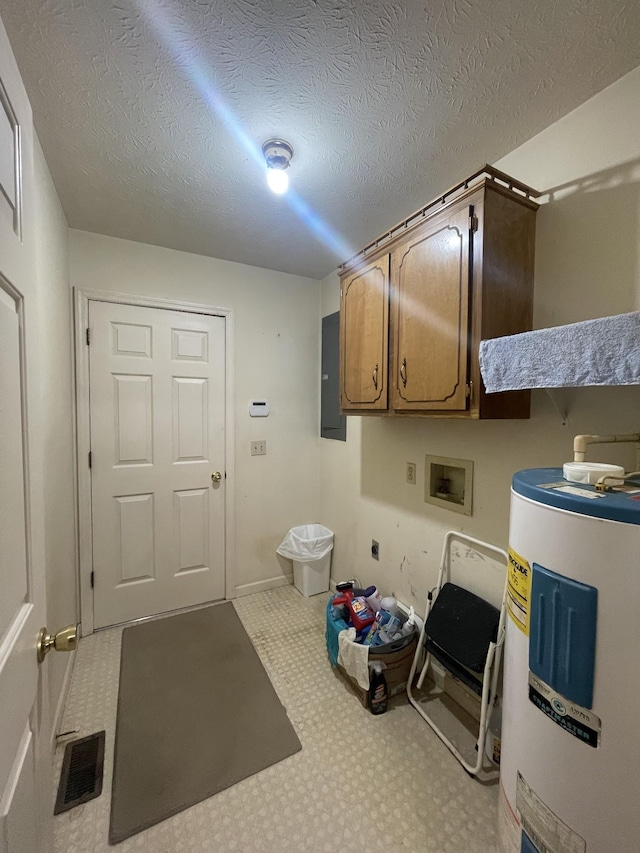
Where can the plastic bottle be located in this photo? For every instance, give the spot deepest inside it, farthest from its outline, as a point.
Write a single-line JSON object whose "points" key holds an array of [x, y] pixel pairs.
{"points": [[382, 617], [344, 593], [390, 604], [373, 598], [410, 624], [386, 614], [361, 614], [378, 693], [390, 630], [339, 609]]}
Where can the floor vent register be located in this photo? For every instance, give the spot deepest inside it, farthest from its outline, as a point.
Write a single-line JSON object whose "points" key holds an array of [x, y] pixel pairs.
{"points": [[82, 769]]}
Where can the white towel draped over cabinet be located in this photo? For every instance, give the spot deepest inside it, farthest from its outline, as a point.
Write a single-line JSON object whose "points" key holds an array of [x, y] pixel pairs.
{"points": [[605, 351]]}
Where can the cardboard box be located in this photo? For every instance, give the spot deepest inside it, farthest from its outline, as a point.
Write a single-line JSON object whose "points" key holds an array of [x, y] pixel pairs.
{"points": [[396, 671], [397, 663]]}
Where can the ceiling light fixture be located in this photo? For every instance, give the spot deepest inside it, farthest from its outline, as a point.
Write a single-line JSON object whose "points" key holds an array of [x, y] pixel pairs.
{"points": [[277, 154]]}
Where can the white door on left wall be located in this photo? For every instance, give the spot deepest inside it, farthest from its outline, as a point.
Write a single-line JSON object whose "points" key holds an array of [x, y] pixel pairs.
{"points": [[157, 411], [25, 780]]}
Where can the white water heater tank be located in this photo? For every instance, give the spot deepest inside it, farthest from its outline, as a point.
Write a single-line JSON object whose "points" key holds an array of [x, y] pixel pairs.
{"points": [[570, 762]]}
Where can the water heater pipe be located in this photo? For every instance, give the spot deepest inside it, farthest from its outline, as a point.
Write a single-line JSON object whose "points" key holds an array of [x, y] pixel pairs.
{"points": [[603, 484], [580, 442]]}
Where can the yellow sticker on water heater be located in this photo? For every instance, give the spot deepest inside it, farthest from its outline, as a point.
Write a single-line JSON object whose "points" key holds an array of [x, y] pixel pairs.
{"points": [[519, 590]]}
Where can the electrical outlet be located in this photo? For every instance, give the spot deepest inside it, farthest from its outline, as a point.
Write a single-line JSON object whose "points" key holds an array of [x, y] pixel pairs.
{"points": [[411, 473], [375, 550], [259, 448]]}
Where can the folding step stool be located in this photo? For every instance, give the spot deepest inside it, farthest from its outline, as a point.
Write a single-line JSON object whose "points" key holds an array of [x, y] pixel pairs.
{"points": [[465, 634]]}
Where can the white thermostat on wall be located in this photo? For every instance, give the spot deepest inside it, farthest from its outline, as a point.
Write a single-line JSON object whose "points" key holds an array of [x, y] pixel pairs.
{"points": [[258, 408]]}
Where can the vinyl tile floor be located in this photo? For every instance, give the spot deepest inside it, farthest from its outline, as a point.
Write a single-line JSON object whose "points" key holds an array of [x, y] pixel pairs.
{"points": [[360, 782]]}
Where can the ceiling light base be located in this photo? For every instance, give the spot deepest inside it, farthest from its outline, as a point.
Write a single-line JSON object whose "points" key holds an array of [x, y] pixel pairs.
{"points": [[277, 153]]}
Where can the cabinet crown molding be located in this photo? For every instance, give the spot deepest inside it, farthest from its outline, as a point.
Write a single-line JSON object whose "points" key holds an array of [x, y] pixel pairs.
{"points": [[487, 174]]}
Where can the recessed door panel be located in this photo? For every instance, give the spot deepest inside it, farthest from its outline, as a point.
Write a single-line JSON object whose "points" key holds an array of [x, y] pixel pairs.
{"points": [[190, 345], [18, 828], [12, 515], [10, 163], [191, 526], [8, 155], [137, 538], [130, 339], [190, 418], [133, 420]]}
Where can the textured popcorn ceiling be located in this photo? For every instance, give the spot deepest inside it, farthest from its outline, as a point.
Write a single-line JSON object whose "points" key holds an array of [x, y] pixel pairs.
{"points": [[148, 110]]}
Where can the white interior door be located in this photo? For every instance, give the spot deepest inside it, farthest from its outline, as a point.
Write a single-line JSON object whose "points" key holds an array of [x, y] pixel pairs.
{"points": [[157, 392], [23, 774]]}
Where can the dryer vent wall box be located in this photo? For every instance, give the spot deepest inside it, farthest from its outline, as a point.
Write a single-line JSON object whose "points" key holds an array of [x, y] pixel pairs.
{"points": [[449, 483], [258, 408]]}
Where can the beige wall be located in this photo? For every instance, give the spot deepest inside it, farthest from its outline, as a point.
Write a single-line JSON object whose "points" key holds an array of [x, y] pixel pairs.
{"points": [[276, 357], [587, 265], [56, 395]]}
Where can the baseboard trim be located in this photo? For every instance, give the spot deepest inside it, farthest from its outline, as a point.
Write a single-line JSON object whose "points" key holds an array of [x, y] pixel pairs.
{"points": [[62, 698], [262, 586]]}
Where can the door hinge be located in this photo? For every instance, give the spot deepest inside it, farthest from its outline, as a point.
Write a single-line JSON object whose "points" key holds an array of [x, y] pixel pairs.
{"points": [[473, 220], [90, 459], [88, 336], [467, 389], [92, 579]]}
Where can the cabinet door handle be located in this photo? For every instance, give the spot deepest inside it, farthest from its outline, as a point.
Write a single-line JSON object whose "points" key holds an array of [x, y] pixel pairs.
{"points": [[375, 377], [403, 372]]}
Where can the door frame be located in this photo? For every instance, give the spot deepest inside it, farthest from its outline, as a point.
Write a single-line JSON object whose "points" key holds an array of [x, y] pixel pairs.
{"points": [[82, 298]]}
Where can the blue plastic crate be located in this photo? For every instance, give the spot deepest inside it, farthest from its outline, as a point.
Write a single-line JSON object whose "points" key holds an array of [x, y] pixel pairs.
{"points": [[335, 625]]}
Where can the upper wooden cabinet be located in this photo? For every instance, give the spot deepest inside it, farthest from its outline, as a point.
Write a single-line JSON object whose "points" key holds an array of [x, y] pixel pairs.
{"points": [[431, 315], [416, 304], [364, 325]]}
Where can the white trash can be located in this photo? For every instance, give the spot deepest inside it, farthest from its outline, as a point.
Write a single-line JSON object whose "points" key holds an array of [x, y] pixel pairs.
{"points": [[309, 546]]}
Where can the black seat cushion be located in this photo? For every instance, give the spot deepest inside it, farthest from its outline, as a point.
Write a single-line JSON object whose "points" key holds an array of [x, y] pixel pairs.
{"points": [[462, 625]]}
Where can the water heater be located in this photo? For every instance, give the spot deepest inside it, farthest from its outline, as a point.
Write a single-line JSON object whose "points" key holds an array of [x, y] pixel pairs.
{"points": [[570, 763]]}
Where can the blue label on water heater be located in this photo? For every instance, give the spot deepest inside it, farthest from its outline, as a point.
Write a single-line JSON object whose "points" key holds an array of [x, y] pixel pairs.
{"points": [[562, 644]]}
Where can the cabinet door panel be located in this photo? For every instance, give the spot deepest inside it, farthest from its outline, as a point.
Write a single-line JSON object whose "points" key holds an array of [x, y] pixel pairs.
{"points": [[364, 319], [431, 277]]}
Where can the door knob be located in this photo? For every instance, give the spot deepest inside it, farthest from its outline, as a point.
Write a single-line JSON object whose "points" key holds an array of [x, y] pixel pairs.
{"points": [[64, 641], [216, 476]]}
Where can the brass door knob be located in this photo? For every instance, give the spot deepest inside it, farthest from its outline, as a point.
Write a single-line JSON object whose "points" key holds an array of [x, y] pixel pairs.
{"points": [[216, 476], [64, 641]]}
